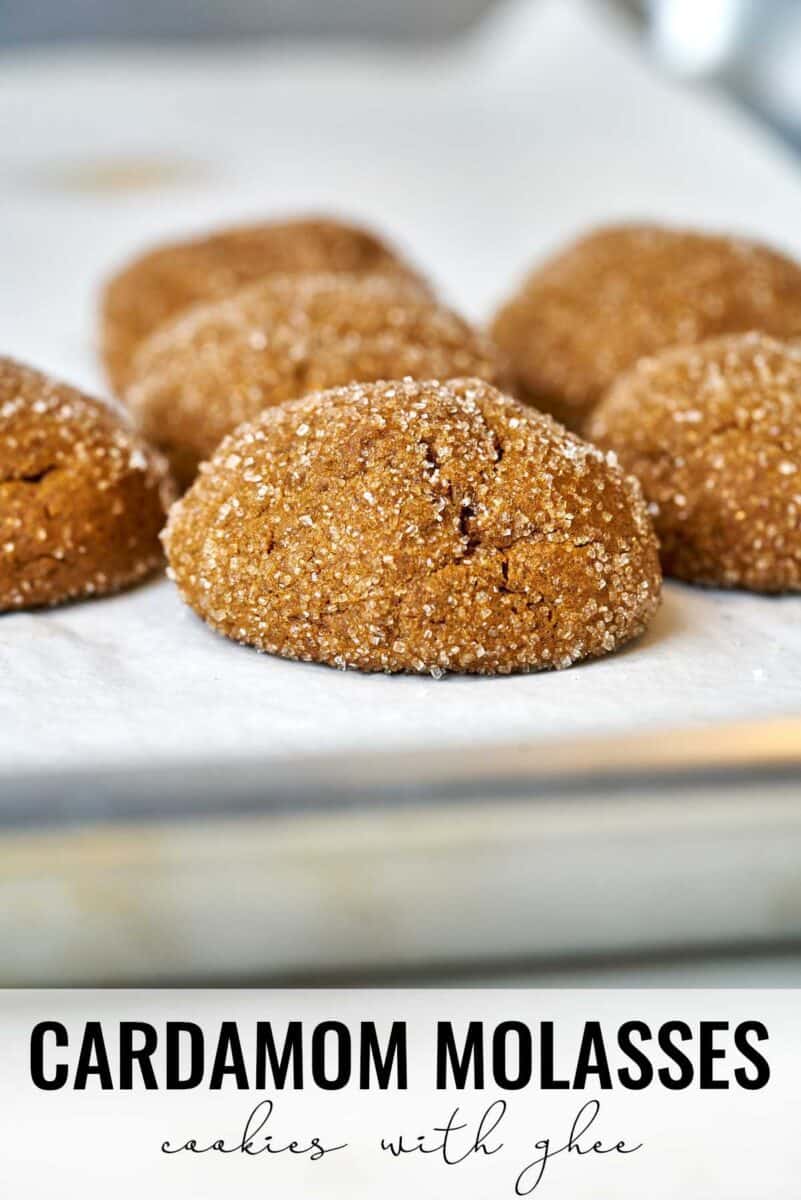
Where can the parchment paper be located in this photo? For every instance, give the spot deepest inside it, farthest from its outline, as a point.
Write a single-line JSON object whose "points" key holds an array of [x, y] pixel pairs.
{"points": [[478, 159]]}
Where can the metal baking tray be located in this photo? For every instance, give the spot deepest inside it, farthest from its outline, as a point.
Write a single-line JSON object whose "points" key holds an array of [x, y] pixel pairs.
{"points": [[358, 862]]}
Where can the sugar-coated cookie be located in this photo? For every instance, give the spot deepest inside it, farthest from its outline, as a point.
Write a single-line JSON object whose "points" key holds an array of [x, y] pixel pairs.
{"points": [[219, 364], [82, 498], [162, 282], [416, 526], [713, 432], [624, 292]]}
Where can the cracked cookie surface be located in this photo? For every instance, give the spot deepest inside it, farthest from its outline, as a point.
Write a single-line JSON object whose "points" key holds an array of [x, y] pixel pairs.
{"points": [[713, 433], [424, 527], [218, 365], [162, 282], [82, 499]]}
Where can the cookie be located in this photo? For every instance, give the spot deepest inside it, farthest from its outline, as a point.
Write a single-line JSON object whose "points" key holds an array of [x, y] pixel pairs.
{"points": [[713, 432], [416, 526], [218, 365], [159, 284], [621, 293], [82, 499]]}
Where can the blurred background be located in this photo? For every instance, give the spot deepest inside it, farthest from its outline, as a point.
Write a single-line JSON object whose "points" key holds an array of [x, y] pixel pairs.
{"points": [[752, 48]]}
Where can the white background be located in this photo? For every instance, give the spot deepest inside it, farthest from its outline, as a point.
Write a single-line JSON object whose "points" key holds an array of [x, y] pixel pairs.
{"points": [[696, 1145]]}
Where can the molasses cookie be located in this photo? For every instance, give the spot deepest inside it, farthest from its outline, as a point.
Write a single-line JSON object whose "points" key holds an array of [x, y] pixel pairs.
{"points": [[82, 500], [159, 284], [713, 433], [217, 365], [621, 293], [422, 527]]}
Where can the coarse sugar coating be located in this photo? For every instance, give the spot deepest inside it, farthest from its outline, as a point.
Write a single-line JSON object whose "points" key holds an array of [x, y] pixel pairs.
{"points": [[162, 282], [713, 432], [416, 526], [82, 499], [623, 292], [217, 365]]}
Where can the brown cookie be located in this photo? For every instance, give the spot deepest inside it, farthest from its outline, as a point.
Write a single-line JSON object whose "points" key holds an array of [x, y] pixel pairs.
{"points": [[82, 499], [200, 376], [713, 432], [159, 284], [421, 527], [621, 293]]}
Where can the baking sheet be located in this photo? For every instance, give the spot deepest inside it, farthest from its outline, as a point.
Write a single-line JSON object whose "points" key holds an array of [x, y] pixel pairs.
{"points": [[478, 159], [278, 881]]}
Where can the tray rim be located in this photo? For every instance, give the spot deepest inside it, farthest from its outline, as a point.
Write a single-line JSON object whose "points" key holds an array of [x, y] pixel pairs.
{"points": [[674, 761]]}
